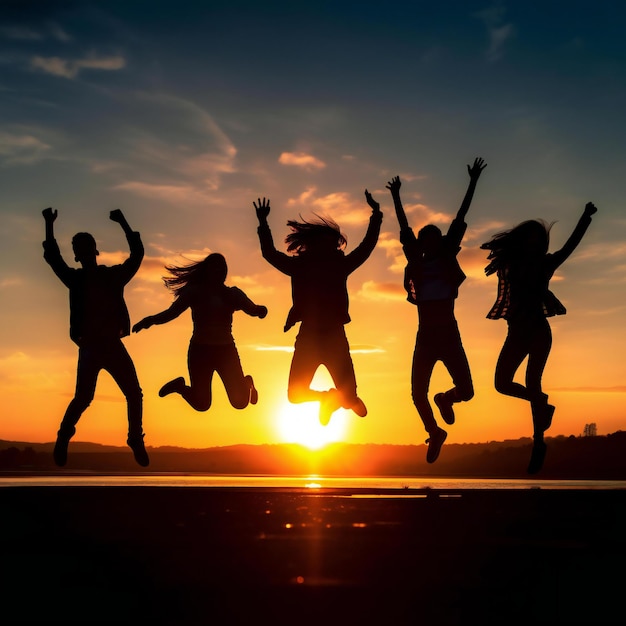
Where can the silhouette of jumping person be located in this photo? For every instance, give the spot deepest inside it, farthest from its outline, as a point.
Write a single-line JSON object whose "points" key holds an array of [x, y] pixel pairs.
{"points": [[200, 287], [524, 268], [432, 279], [98, 321], [319, 271]]}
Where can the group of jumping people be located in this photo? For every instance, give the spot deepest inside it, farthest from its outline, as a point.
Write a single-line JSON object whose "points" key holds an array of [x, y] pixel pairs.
{"points": [[319, 268]]}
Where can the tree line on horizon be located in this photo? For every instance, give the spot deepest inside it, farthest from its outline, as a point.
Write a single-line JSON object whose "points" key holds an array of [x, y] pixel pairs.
{"points": [[571, 457]]}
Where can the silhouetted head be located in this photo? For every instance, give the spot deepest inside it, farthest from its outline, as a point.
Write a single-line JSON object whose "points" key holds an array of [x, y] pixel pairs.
{"points": [[532, 236], [320, 235], [527, 240], [214, 269], [430, 239], [84, 246], [211, 272]]}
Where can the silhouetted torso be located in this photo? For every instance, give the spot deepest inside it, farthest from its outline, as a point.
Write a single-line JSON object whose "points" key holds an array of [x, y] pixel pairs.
{"points": [[97, 308]]}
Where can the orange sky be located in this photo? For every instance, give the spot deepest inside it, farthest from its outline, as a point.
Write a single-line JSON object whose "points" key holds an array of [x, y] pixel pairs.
{"points": [[182, 121]]}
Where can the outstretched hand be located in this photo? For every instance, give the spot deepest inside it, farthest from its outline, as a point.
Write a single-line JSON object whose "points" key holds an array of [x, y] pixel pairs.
{"points": [[475, 170], [142, 324], [261, 311], [394, 185], [373, 204], [262, 208], [49, 215], [590, 209]]}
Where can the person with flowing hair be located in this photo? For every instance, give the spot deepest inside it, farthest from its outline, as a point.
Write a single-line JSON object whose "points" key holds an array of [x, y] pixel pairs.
{"points": [[319, 269], [432, 279], [520, 259], [199, 286]]}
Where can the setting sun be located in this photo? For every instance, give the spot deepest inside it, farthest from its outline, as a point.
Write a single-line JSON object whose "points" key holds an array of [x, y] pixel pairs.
{"points": [[299, 423]]}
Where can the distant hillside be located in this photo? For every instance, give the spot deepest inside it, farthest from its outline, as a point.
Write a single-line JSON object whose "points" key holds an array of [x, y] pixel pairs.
{"points": [[601, 457]]}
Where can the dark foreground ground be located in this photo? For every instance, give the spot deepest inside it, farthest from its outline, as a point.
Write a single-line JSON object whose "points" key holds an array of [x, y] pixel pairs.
{"points": [[248, 556]]}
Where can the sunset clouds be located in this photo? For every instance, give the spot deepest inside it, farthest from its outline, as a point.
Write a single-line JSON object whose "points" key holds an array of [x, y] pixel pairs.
{"points": [[183, 116], [299, 159], [69, 68]]}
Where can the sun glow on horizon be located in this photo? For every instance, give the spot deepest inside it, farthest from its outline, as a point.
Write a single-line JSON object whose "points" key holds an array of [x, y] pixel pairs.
{"points": [[299, 423]]}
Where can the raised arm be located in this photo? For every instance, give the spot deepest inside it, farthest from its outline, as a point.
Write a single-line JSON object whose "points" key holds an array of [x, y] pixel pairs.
{"points": [[394, 187], [49, 216], [177, 307], [131, 265], [474, 172], [360, 254], [279, 260], [576, 236], [51, 252]]}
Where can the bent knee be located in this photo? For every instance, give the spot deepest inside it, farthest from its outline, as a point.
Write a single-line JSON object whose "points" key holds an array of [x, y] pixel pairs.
{"points": [[464, 394], [239, 404], [501, 383], [502, 386], [81, 403], [200, 404]]}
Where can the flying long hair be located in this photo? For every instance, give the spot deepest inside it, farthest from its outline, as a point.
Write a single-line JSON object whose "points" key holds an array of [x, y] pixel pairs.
{"points": [[509, 246], [212, 269], [303, 233]]}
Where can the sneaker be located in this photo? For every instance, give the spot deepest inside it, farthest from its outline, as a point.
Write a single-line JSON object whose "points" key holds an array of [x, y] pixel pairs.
{"points": [[359, 407], [537, 456], [328, 405], [139, 450], [59, 454], [435, 441], [254, 394], [445, 408], [546, 420], [174, 386]]}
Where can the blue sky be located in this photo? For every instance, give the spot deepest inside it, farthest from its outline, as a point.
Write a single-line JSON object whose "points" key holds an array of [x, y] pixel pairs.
{"points": [[182, 113]]}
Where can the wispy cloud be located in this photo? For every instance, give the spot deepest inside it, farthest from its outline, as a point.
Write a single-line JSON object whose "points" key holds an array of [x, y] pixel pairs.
{"points": [[339, 205], [151, 145], [184, 195], [372, 290], [301, 159], [589, 389], [6, 283], [498, 37], [21, 147], [270, 348], [19, 32], [393, 249], [498, 31], [355, 349], [365, 349], [70, 68]]}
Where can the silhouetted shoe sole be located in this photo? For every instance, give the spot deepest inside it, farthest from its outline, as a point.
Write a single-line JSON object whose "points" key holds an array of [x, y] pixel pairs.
{"points": [[435, 441], [254, 394], [359, 408], [172, 386], [445, 408], [328, 405], [537, 457], [139, 451]]}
